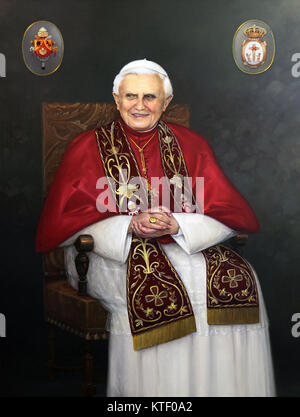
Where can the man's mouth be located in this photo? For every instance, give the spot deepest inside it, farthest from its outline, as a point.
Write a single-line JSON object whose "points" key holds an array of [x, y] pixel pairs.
{"points": [[139, 115]]}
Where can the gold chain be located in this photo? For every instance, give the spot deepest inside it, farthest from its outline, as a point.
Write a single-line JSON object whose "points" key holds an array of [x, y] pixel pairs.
{"points": [[141, 151]]}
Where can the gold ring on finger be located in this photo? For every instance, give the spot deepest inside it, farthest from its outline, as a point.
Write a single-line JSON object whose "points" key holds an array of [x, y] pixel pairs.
{"points": [[152, 219]]}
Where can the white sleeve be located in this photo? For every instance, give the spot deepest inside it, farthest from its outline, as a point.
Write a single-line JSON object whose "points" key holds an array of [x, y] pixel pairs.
{"points": [[111, 237], [198, 232]]}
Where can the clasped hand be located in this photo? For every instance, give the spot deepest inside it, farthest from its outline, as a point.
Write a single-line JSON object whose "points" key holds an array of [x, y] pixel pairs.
{"points": [[165, 224]]}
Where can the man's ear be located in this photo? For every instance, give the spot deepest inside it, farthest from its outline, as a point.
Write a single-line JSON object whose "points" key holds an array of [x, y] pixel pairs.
{"points": [[167, 102], [117, 100]]}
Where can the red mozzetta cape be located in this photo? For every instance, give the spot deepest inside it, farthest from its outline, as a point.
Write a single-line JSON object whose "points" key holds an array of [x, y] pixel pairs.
{"points": [[71, 202]]}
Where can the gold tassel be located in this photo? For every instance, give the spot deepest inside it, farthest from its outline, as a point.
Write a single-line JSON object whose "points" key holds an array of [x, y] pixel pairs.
{"points": [[164, 333], [231, 315]]}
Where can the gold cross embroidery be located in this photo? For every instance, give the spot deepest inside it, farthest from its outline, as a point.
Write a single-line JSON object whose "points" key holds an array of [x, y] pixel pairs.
{"points": [[232, 278], [156, 296]]}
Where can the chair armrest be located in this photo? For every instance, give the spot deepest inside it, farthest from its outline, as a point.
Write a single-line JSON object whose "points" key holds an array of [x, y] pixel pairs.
{"points": [[238, 242], [83, 244]]}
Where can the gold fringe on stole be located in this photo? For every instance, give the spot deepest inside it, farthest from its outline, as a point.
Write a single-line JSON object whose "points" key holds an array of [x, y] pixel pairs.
{"points": [[164, 333], [233, 315]]}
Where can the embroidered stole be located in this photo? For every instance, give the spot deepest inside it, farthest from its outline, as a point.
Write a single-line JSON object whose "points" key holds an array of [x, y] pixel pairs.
{"points": [[158, 305]]}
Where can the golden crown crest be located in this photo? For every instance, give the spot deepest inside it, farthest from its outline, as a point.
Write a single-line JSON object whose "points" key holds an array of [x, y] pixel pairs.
{"points": [[255, 32]]}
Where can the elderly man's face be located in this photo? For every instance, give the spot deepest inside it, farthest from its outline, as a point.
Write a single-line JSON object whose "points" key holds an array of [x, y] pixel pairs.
{"points": [[141, 100]]}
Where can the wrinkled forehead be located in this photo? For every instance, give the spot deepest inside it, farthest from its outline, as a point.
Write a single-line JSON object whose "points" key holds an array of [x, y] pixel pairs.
{"points": [[142, 84]]}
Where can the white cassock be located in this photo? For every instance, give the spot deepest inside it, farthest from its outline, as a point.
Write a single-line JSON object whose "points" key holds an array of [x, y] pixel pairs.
{"points": [[217, 360]]}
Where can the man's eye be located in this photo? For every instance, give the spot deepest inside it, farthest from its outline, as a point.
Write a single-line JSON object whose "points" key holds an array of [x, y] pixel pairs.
{"points": [[130, 96], [150, 96]]}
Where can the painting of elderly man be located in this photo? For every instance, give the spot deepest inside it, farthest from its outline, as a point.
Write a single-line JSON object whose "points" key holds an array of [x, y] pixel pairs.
{"points": [[186, 313]]}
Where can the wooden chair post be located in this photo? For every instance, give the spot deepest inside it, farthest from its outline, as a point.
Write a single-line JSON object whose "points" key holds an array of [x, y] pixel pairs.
{"points": [[238, 243], [83, 244]]}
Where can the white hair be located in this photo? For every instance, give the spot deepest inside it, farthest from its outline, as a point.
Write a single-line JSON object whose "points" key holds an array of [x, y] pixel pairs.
{"points": [[143, 66]]}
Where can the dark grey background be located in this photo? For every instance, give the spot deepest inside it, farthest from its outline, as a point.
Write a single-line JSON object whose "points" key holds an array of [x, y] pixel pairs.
{"points": [[252, 122]]}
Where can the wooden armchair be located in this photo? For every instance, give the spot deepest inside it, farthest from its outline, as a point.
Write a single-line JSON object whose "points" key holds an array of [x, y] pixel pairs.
{"points": [[66, 308]]}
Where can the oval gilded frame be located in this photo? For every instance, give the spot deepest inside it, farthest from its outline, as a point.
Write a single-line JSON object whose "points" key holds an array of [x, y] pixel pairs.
{"points": [[264, 25], [61, 46]]}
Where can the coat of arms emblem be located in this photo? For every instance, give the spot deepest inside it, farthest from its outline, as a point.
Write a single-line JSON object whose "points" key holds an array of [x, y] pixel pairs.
{"points": [[253, 47], [42, 48], [254, 50]]}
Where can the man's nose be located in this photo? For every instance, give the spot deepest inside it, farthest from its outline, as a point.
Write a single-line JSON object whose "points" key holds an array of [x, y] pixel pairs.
{"points": [[140, 103]]}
